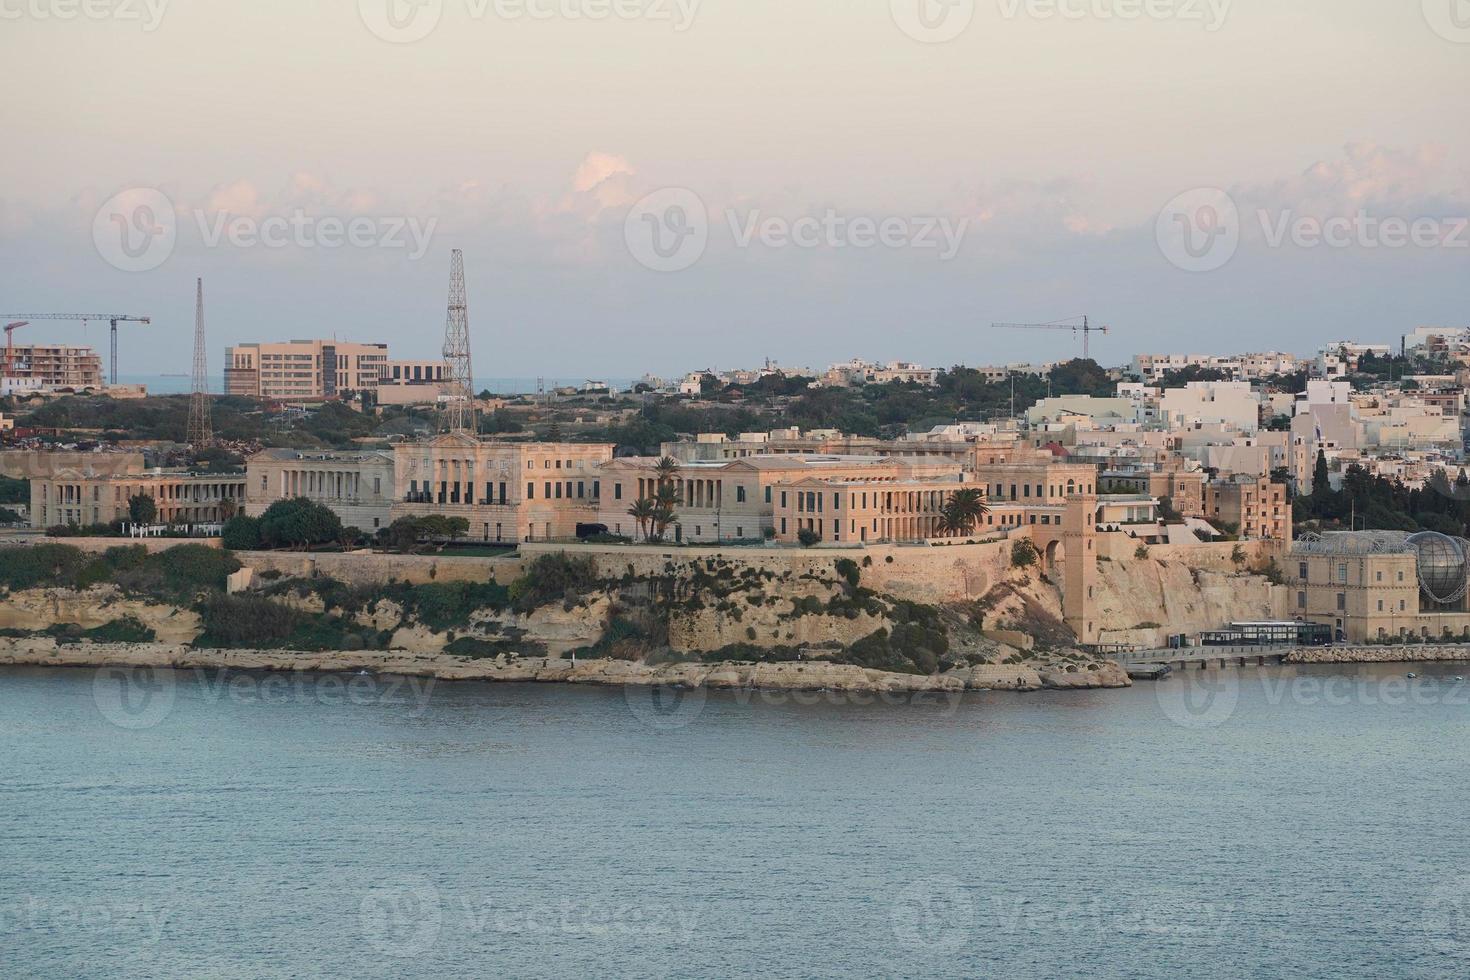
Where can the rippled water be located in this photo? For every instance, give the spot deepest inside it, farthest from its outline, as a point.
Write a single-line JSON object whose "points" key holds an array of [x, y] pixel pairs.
{"points": [[1265, 823]]}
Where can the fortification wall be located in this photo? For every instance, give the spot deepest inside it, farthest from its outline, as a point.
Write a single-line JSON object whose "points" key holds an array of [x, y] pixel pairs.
{"points": [[919, 573]]}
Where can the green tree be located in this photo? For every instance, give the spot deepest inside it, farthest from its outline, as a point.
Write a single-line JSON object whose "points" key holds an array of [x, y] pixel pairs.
{"points": [[642, 512], [241, 533], [142, 509], [299, 522]]}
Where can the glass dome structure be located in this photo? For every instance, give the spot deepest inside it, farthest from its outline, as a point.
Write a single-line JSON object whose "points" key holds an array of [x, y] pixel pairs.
{"points": [[1442, 565]]}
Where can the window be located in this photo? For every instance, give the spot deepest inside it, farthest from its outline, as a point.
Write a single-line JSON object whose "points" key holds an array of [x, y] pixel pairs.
{"points": [[739, 494], [617, 491], [1342, 600], [1301, 600], [530, 491], [768, 494], [1301, 571], [1342, 573], [548, 491]]}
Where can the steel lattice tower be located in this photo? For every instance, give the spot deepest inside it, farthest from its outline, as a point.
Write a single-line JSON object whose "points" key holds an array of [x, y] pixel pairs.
{"points": [[459, 404], [199, 433]]}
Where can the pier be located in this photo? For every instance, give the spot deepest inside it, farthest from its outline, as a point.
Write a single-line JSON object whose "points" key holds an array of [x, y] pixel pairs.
{"points": [[1198, 658]]}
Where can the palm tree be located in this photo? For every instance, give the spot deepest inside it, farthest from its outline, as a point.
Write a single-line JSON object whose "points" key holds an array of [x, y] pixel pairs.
{"points": [[664, 503], [963, 510], [642, 511], [666, 470]]}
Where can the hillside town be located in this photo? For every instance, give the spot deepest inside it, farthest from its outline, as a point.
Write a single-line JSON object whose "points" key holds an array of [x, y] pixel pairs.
{"points": [[1171, 450]]}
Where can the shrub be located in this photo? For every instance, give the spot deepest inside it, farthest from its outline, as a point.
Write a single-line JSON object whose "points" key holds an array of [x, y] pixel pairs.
{"points": [[1023, 554], [552, 578], [849, 570], [241, 533], [40, 565], [1141, 552], [807, 537], [442, 605], [475, 648], [178, 574], [245, 621], [128, 629], [1237, 555]]}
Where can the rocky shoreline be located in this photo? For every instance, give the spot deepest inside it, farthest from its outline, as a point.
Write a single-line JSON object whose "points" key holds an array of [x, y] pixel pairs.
{"points": [[811, 675], [1379, 654]]}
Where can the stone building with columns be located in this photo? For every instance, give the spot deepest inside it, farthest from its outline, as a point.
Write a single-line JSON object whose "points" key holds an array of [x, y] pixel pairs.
{"points": [[508, 491], [357, 486], [180, 497]]}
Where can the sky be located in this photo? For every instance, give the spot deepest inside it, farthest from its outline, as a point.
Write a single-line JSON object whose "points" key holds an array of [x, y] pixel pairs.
{"points": [[667, 185]]}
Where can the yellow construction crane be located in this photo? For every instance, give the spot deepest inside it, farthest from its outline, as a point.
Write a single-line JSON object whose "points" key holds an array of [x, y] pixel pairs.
{"points": [[1086, 328]]}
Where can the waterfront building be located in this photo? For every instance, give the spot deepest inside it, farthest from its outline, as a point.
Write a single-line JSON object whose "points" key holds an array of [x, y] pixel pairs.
{"points": [[1375, 586], [303, 370]]}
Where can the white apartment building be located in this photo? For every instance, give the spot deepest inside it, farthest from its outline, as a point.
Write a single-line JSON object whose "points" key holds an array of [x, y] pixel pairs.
{"points": [[1242, 367], [1231, 404]]}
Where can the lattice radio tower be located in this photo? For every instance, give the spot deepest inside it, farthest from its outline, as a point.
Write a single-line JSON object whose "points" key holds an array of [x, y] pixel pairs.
{"points": [[459, 404], [199, 433]]}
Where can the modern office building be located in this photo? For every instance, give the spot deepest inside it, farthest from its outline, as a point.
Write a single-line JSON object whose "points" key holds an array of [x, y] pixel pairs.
{"points": [[303, 370]]}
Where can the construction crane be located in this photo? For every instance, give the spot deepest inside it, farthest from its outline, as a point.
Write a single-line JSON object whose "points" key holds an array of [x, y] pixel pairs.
{"points": [[10, 329], [1085, 328], [113, 318]]}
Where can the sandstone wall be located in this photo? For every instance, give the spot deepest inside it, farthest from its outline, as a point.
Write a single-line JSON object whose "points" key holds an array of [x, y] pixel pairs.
{"points": [[918, 573], [374, 569], [40, 609]]}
